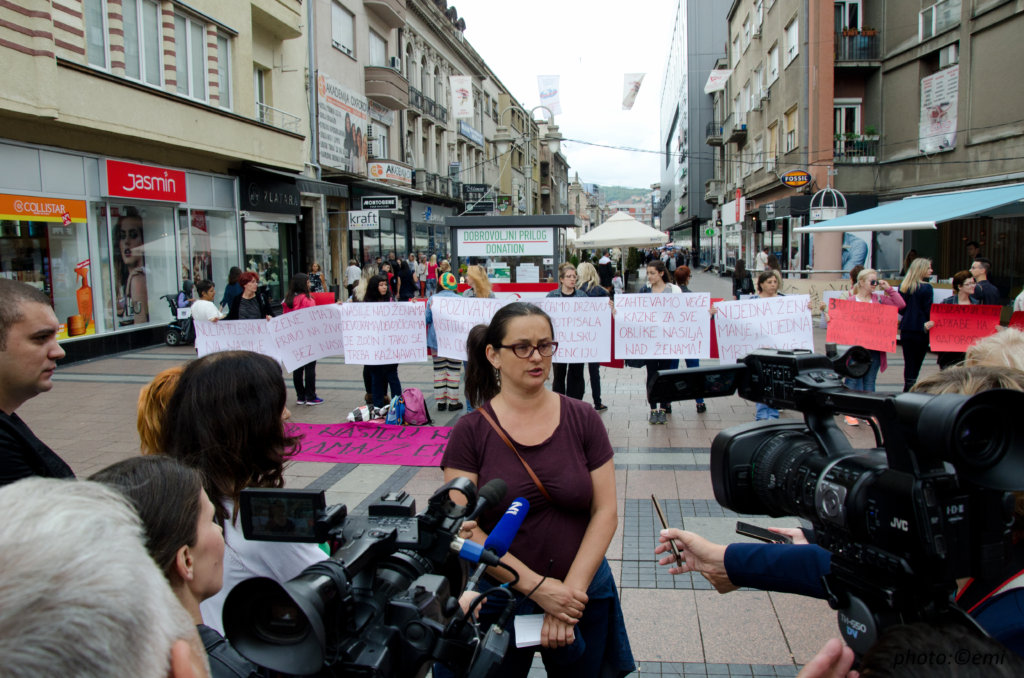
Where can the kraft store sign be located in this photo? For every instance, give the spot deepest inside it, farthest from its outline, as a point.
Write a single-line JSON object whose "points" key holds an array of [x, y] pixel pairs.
{"points": [[390, 172], [142, 182], [363, 220]]}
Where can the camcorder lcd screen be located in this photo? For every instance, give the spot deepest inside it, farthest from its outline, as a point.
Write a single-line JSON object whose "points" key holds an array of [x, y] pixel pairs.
{"points": [[281, 516]]}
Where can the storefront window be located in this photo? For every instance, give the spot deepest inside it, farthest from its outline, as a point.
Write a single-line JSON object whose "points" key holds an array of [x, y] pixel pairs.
{"points": [[421, 238], [263, 249], [142, 266], [54, 258], [208, 245]]}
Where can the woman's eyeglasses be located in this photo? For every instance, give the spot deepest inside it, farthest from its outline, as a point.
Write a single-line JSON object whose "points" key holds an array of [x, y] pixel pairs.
{"points": [[873, 283], [525, 351]]}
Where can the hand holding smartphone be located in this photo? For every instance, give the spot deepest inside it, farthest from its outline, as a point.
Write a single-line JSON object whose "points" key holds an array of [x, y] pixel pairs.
{"points": [[748, 530], [664, 525]]}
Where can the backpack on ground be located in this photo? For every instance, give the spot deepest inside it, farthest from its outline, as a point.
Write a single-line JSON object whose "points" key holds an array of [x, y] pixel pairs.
{"points": [[416, 412]]}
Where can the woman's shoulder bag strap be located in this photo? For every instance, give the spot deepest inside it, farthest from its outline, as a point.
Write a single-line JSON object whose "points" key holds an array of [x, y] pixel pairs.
{"points": [[501, 434]]}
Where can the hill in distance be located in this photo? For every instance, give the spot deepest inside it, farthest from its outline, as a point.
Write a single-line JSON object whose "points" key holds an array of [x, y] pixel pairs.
{"points": [[625, 194]]}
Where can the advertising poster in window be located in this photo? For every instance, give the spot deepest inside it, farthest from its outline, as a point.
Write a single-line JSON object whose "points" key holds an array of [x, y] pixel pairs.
{"points": [[144, 263], [342, 116], [939, 93]]}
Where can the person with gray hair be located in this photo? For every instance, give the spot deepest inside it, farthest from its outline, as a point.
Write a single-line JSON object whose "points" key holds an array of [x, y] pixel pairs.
{"points": [[29, 352], [95, 607]]}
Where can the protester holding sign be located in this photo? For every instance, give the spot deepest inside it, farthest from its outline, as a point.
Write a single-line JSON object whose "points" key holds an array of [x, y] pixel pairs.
{"points": [[381, 376], [658, 283], [863, 292], [590, 284], [918, 297], [682, 281], [963, 288], [304, 377], [446, 370], [568, 377]]}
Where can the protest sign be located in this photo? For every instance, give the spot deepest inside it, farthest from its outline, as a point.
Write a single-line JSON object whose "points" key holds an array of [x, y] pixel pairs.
{"points": [[583, 328], [662, 326], [453, 318], [384, 333], [855, 323], [235, 335], [370, 443], [776, 322], [1017, 320], [958, 326], [309, 334]]}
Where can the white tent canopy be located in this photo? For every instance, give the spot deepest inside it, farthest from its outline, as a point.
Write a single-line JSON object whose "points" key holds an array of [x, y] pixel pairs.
{"points": [[621, 230]]}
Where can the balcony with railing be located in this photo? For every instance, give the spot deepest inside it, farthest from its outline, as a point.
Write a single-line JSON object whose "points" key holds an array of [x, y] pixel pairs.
{"points": [[735, 128], [713, 189], [442, 114], [858, 45], [713, 133], [387, 87], [415, 98], [855, 148], [275, 117], [429, 107]]}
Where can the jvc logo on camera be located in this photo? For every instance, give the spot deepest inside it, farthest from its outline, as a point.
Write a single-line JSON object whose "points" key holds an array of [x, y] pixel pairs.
{"points": [[900, 524]]}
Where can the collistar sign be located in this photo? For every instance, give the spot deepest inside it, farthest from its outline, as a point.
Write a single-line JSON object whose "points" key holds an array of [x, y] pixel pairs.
{"points": [[525, 242]]}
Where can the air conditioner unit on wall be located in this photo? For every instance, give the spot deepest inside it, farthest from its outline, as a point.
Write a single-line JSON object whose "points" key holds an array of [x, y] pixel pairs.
{"points": [[395, 63], [949, 55]]}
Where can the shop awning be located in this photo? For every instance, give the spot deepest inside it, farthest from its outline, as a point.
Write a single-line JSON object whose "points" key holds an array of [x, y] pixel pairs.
{"points": [[925, 211]]}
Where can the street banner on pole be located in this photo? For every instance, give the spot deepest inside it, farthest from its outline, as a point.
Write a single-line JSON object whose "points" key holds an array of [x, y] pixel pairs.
{"points": [[630, 88], [776, 322], [548, 86], [462, 96]]}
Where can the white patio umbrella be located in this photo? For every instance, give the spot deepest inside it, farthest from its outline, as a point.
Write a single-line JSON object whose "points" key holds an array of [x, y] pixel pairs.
{"points": [[621, 230]]}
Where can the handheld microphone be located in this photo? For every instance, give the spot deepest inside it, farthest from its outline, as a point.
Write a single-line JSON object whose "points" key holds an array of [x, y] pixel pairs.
{"points": [[491, 494], [500, 538]]}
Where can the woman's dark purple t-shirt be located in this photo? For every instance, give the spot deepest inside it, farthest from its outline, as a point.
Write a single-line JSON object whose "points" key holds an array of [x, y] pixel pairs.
{"points": [[563, 464]]}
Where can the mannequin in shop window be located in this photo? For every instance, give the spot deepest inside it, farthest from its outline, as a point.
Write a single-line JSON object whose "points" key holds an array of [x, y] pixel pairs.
{"points": [[132, 295]]}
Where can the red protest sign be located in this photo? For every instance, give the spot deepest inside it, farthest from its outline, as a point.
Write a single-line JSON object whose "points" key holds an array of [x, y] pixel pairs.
{"points": [[1017, 320], [857, 323], [958, 326]]}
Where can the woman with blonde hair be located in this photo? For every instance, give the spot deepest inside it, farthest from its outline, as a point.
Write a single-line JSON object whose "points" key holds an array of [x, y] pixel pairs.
{"points": [[1005, 348], [480, 286], [359, 291], [913, 335]]}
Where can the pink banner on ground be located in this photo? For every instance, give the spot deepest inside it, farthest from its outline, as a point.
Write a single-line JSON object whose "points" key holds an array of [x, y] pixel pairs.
{"points": [[369, 443]]}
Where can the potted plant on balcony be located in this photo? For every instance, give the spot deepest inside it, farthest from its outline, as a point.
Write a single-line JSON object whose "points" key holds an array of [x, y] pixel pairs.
{"points": [[848, 32], [869, 32], [870, 133]]}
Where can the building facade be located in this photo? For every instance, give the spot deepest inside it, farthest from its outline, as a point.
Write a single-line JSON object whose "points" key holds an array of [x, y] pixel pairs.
{"points": [[687, 165]]}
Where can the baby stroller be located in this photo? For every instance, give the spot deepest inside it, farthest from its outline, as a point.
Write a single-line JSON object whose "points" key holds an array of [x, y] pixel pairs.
{"points": [[181, 330]]}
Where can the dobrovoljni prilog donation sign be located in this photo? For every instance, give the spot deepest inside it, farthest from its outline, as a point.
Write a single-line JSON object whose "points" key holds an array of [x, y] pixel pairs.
{"points": [[524, 242]]}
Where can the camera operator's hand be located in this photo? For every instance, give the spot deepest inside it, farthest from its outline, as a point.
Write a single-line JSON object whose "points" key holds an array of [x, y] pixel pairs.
{"points": [[794, 533], [466, 530], [699, 555], [832, 661], [561, 601], [555, 633]]}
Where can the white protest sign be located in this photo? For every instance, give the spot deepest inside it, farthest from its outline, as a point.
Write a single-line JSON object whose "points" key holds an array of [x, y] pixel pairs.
{"points": [[307, 334], [384, 333], [662, 326], [235, 335], [777, 322], [453, 317], [583, 328]]}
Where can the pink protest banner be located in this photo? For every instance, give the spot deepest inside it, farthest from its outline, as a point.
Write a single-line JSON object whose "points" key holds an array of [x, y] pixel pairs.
{"points": [[1017, 320], [855, 323], [368, 443], [958, 326]]}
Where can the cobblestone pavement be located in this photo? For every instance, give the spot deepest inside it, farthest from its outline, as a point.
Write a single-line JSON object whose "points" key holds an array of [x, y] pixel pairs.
{"points": [[677, 625]]}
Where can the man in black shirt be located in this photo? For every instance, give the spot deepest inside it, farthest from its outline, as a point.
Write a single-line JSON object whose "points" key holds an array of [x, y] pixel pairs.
{"points": [[28, 357], [985, 292]]}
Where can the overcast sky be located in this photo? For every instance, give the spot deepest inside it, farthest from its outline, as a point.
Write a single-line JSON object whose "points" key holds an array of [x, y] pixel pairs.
{"points": [[591, 46]]}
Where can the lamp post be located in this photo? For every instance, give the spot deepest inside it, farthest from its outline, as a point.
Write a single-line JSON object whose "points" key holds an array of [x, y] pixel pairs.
{"points": [[504, 141]]}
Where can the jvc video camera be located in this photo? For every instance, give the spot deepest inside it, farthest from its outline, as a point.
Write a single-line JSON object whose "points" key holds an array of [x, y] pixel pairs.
{"points": [[930, 503], [382, 605]]}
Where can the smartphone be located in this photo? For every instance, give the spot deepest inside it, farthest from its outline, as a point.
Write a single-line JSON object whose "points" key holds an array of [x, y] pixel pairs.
{"points": [[664, 524], [748, 530]]}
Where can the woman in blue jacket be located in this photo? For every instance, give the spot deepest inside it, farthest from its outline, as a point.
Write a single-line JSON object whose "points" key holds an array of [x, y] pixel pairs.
{"points": [[913, 336]]}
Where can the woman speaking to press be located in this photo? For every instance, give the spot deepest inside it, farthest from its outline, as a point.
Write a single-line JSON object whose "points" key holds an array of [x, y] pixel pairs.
{"points": [[553, 451]]}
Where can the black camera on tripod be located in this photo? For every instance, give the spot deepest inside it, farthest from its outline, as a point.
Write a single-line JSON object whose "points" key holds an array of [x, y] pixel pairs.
{"points": [[930, 503], [382, 605]]}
